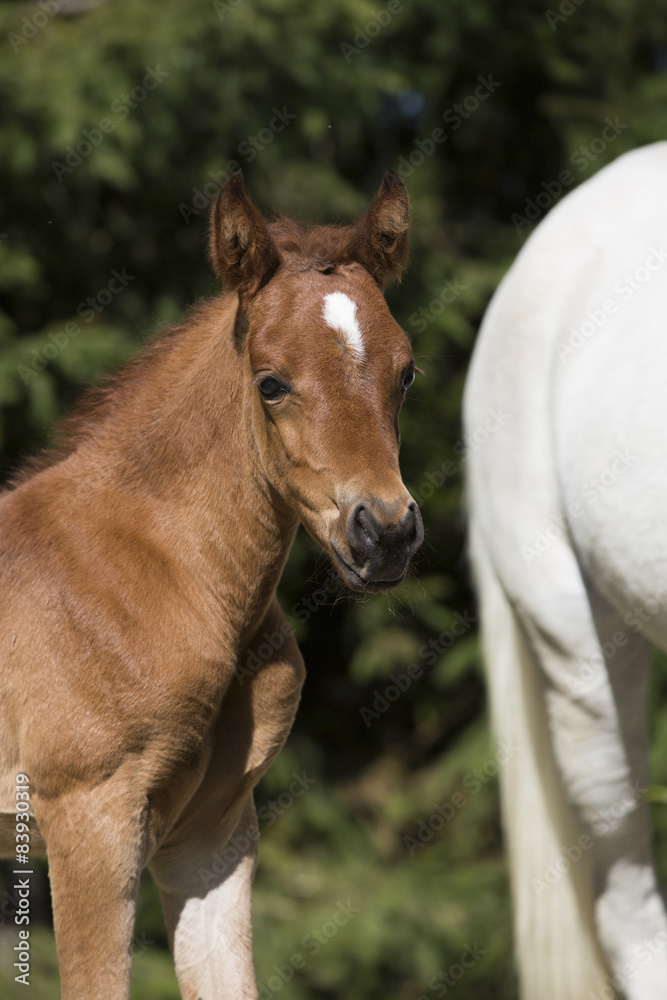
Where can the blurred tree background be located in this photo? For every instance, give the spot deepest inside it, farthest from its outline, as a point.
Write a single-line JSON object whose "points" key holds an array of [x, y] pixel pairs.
{"points": [[118, 121]]}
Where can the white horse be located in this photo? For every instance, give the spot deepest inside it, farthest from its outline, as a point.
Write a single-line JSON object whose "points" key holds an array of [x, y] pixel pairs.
{"points": [[568, 534]]}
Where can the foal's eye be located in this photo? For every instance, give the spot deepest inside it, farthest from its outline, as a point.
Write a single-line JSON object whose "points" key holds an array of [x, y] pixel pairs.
{"points": [[408, 379], [272, 388]]}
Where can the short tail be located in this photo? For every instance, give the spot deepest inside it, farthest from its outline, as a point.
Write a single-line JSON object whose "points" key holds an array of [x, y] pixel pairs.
{"points": [[558, 956]]}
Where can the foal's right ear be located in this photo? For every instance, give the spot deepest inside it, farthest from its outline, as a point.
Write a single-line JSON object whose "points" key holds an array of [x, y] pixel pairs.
{"points": [[243, 253]]}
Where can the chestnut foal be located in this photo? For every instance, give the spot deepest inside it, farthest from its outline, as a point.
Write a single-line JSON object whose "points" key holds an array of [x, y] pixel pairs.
{"points": [[138, 569]]}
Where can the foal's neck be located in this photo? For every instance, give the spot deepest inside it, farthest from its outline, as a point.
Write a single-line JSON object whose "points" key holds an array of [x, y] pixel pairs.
{"points": [[182, 444]]}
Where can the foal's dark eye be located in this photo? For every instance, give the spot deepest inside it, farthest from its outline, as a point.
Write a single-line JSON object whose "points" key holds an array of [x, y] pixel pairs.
{"points": [[408, 379], [272, 388]]}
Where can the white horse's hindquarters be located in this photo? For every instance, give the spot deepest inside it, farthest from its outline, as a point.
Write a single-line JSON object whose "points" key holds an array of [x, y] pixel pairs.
{"points": [[570, 393], [521, 482], [610, 421], [513, 499]]}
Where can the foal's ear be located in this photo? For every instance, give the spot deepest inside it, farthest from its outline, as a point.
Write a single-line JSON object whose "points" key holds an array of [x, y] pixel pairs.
{"points": [[243, 253], [382, 234]]}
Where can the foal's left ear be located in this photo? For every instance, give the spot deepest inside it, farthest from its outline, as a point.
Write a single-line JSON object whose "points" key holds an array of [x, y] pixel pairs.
{"points": [[382, 234], [243, 253]]}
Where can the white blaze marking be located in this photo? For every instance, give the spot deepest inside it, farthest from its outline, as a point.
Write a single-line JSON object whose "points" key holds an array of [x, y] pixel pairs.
{"points": [[340, 312]]}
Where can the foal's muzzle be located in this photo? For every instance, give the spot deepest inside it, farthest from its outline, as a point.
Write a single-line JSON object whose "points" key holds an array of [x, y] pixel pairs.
{"points": [[380, 540]]}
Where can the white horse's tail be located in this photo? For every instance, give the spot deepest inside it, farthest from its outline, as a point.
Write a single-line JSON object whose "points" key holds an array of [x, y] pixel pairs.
{"points": [[555, 940]]}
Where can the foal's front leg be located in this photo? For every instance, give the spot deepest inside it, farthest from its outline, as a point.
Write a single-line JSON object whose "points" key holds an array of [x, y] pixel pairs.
{"points": [[205, 884], [95, 848], [205, 867]]}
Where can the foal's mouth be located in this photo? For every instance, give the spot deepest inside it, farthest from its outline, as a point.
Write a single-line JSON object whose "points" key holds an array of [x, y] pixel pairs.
{"points": [[355, 581]]}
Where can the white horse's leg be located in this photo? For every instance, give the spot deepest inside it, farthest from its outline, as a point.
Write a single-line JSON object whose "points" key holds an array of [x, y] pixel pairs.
{"points": [[205, 884], [630, 909], [557, 949], [561, 660], [596, 700]]}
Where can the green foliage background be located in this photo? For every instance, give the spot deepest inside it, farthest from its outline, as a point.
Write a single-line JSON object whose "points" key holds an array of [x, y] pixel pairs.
{"points": [[556, 75]]}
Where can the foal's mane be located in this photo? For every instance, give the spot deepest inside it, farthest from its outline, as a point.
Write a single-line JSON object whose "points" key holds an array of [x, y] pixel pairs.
{"points": [[97, 404], [301, 247]]}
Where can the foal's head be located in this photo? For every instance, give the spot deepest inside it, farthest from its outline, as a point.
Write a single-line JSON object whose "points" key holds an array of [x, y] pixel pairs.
{"points": [[326, 372]]}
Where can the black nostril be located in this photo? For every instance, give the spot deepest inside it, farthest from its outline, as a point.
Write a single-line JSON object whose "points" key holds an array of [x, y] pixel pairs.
{"points": [[415, 525], [412, 522], [369, 524], [363, 532]]}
